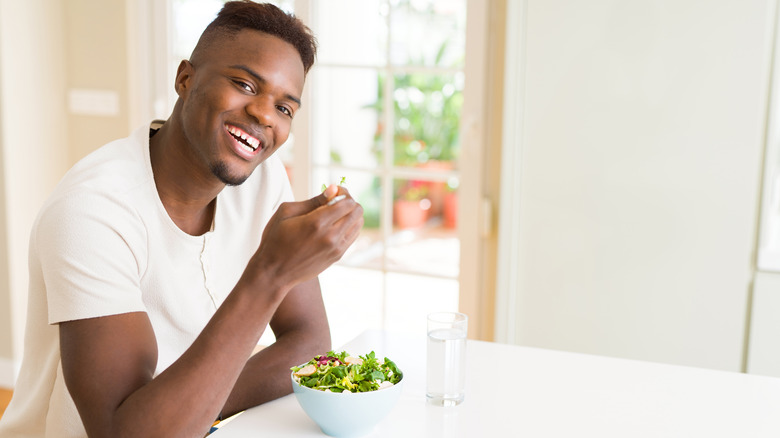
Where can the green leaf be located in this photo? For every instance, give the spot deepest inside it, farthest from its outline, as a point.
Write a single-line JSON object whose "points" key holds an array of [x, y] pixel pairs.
{"points": [[322, 189], [355, 378], [339, 371]]}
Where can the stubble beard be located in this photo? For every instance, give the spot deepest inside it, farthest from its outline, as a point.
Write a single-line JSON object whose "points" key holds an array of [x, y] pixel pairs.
{"points": [[222, 172]]}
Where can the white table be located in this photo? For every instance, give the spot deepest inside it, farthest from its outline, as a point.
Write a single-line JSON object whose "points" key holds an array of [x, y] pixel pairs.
{"points": [[528, 392]]}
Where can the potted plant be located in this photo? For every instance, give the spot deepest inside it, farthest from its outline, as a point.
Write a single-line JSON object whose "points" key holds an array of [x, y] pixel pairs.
{"points": [[450, 205], [411, 205]]}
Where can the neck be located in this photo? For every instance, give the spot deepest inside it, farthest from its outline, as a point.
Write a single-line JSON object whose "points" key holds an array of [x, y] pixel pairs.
{"points": [[187, 192]]}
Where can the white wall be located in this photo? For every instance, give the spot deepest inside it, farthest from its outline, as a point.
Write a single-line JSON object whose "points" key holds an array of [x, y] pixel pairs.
{"points": [[639, 174], [764, 346]]}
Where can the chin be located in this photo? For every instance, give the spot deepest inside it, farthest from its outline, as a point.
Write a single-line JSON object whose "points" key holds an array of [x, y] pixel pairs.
{"points": [[223, 173]]}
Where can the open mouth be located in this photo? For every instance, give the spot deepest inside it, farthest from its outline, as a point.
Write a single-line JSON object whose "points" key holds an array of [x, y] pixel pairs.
{"points": [[247, 142]]}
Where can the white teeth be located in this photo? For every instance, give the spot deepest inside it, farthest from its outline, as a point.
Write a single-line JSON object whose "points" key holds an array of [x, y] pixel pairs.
{"points": [[246, 148], [253, 142]]}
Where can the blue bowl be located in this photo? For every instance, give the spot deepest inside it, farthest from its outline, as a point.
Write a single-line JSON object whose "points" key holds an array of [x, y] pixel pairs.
{"points": [[346, 415]]}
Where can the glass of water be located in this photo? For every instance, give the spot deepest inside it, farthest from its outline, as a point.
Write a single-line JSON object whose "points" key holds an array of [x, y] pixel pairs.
{"points": [[446, 365]]}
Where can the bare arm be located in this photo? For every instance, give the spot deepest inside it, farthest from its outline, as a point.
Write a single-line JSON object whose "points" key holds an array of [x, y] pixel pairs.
{"points": [[302, 331], [108, 362]]}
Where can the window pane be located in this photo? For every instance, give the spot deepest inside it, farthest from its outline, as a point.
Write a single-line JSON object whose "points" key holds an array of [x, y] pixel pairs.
{"points": [[190, 17], [346, 128], [411, 297], [428, 32], [353, 300], [351, 32], [427, 118], [421, 241]]}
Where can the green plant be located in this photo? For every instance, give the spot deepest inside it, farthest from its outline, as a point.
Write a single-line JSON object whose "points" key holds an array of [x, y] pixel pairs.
{"points": [[412, 191], [426, 118]]}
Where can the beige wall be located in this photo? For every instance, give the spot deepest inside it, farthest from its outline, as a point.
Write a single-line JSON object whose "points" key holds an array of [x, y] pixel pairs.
{"points": [[32, 108], [46, 48], [96, 53]]}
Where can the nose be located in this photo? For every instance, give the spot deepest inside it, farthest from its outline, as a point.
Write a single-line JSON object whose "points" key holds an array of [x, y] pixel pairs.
{"points": [[262, 109]]}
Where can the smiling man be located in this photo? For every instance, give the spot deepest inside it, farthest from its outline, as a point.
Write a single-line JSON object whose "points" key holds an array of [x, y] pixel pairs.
{"points": [[160, 259]]}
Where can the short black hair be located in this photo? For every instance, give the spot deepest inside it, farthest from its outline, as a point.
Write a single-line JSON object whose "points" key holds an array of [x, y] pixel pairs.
{"points": [[264, 17]]}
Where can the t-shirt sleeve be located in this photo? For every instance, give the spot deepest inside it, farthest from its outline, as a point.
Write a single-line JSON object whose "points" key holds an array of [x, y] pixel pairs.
{"points": [[90, 248]]}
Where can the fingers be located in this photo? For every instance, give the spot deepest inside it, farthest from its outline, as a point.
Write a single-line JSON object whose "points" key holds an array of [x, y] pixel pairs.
{"points": [[330, 191], [341, 207], [300, 208], [355, 227], [340, 219], [304, 238], [349, 226]]}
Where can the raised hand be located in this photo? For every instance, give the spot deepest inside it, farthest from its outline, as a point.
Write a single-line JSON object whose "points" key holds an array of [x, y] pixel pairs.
{"points": [[303, 238]]}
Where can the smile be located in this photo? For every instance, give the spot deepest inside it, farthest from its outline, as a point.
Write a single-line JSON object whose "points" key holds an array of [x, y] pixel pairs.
{"points": [[246, 141]]}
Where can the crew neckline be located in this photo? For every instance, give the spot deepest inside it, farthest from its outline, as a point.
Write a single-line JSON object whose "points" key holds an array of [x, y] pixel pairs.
{"points": [[154, 127]]}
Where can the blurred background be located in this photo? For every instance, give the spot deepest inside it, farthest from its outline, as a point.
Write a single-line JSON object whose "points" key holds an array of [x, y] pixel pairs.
{"points": [[598, 177]]}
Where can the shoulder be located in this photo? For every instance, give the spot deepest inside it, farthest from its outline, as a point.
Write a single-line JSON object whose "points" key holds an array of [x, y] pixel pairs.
{"points": [[116, 167], [103, 193]]}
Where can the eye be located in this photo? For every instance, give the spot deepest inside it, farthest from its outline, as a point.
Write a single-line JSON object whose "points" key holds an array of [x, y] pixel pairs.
{"points": [[243, 85], [286, 111]]}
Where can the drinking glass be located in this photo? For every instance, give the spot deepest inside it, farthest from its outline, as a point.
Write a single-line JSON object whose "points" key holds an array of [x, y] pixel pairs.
{"points": [[446, 365]]}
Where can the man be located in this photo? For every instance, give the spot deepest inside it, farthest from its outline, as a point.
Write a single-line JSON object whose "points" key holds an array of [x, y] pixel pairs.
{"points": [[158, 261]]}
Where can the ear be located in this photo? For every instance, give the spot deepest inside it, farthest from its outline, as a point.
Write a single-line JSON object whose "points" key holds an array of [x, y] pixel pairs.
{"points": [[183, 77]]}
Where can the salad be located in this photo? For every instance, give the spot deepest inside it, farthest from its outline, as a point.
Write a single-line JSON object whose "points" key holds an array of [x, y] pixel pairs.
{"points": [[340, 372]]}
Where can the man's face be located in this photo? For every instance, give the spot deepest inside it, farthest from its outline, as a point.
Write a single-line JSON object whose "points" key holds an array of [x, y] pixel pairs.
{"points": [[238, 102]]}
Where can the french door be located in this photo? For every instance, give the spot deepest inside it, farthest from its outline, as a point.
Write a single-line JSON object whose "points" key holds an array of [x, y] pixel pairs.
{"points": [[394, 107]]}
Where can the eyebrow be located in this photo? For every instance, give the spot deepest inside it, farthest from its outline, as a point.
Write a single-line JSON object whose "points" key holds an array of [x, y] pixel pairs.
{"points": [[261, 79]]}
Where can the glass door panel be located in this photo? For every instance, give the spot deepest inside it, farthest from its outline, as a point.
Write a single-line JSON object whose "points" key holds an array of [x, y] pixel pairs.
{"points": [[354, 301], [428, 32], [346, 117], [424, 238], [413, 297], [427, 111], [392, 128], [350, 32]]}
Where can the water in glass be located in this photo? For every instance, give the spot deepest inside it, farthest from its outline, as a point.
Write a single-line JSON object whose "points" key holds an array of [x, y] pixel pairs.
{"points": [[446, 366]]}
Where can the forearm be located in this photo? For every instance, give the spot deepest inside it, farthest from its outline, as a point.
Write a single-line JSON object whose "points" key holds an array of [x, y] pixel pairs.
{"points": [[266, 375], [211, 366], [185, 398], [234, 381]]}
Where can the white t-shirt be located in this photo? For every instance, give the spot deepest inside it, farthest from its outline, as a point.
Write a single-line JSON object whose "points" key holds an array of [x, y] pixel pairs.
{"points": [[103, 244]]}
